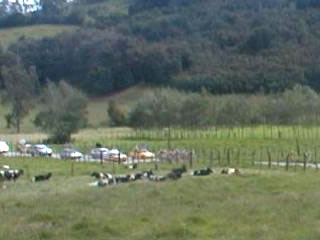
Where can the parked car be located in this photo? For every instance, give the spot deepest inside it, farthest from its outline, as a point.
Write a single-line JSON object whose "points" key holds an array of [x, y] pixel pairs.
{"points": [[144, 154], [69, 153], [96, 153], [39, 150], [4, 147], [114, 155]]}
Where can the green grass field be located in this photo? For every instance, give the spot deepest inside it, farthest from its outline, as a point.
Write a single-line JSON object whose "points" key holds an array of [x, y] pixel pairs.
{"points": [[238, 147], [260, 204], [11, 35]]}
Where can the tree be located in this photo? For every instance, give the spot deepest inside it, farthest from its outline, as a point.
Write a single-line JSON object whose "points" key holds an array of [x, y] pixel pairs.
{"points": [[4, 7], [65, 112], [117, 114], [53, 7], [21, 85]]}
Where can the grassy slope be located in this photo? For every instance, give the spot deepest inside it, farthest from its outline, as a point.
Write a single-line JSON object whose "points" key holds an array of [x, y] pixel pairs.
{"points": [[109, 7], [97, 109], [258, 205], [11, 35]]}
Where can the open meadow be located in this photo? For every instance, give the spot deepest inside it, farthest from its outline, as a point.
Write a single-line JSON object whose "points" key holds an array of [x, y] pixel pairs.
{"points": [[259, 204], [264, 202]]}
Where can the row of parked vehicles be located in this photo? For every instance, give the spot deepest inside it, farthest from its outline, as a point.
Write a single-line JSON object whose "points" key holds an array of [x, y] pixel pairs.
{"points": [[70, 153]]}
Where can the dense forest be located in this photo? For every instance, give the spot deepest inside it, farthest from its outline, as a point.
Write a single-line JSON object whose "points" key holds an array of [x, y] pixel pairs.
{"points": [[224, 46]]}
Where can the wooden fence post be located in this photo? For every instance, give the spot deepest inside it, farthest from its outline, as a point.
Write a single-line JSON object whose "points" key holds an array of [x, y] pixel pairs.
{"points": [[101, 157], [211, 159], [72, 168], [261, 155], [190, 159], [269, 158], [238, 156], [253, 156], [315, 159], [228, 157], [305, 159]]}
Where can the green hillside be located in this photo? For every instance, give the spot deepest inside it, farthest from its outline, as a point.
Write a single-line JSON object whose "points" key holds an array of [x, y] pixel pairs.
{"points": [[225, 46], [11, 35]]}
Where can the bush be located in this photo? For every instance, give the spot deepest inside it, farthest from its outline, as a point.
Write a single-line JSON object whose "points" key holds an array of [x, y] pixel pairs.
{"points": [[64, 114], [117, 114]]}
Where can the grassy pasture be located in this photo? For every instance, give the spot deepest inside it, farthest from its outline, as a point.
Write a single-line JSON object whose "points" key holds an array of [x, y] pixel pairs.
{"points": [[11, 35], [261, 204], [213, 147]]}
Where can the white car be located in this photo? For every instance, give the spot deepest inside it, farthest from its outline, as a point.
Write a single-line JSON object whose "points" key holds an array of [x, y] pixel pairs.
{"points": [[114, 155], [4, 147], [69, 153], [96, 153], [39, 150]]}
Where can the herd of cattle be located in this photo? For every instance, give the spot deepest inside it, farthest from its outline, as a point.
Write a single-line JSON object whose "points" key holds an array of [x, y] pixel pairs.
{"points": [[8, 174], [103, 179]]}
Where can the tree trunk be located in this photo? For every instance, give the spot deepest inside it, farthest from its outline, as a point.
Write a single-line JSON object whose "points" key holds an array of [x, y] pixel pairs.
{"points": [[18, 124]]}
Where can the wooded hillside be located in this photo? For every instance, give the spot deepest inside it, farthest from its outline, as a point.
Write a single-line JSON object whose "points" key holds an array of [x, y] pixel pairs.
{"points": [[225, 46]]}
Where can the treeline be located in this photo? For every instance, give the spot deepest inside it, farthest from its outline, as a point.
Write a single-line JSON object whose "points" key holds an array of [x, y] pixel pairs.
{"points": [[100, 62], [226, 46], [170, 108]]}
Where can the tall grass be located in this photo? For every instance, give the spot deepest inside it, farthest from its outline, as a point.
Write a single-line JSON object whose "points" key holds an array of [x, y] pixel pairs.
{"points": [[257, 205]]}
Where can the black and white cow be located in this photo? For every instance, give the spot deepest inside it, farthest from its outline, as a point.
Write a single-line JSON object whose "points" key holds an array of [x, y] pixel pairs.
{"points": [[231, 171], [122, 178], [136, 176], [147, 174], [202, 172], [157, 178], [180, 171], [12, 174], [133, 166], [101, 175], [42, 177], [176, 173]]}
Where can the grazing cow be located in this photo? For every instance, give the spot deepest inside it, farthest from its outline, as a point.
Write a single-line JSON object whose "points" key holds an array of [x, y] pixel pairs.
{"points": [[180, 171], [133, 166], [147, 174], [101, 183], [101, 175], [174, 175], [12, 174], [122, 179], [136, 176], [98, 175], [43, 177], [202, 172], [157, 178], [231, 171]]}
